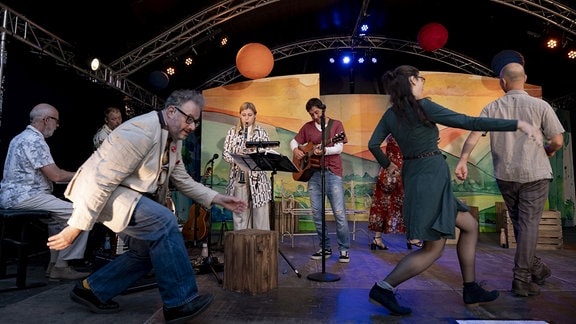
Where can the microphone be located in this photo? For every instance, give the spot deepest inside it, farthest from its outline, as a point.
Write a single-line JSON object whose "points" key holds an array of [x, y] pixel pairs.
{"points": [[214, 157], [246, 132]]}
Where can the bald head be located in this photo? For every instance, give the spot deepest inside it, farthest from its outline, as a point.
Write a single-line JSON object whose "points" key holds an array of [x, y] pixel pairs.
{"points": [[40, 111], [512, 77], [45, 119]]}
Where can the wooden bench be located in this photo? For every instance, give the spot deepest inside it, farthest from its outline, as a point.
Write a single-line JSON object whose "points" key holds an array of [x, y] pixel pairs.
{"points": [[17, 222]]}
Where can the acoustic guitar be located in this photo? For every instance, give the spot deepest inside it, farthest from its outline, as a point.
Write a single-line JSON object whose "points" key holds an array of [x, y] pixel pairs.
{"points": [[197, 227], [310, 162]]}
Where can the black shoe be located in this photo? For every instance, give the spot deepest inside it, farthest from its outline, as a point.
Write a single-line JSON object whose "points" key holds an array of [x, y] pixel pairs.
{"points": [[87, 298], [378, 244], [188, 311], [416, 243], [319, 254], [386, 298], [476, 294]]}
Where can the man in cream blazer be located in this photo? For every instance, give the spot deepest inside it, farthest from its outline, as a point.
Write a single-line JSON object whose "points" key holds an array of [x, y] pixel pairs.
{"points": [[123, 185]]}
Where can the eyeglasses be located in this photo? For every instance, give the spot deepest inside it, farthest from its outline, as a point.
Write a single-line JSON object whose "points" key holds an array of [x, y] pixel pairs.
{"points": [[56, 119], [421, 78], [189, 119]]}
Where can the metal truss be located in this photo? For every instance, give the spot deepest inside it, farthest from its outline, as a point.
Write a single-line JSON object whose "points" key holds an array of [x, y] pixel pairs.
{"points": [[558, 14], [47, 44], [183, 33], [115, 74], [567, 102], [446, 56]]}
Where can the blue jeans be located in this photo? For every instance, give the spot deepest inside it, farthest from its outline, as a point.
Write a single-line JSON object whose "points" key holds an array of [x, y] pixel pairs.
{"points": [[154, 241], [335, 194]]}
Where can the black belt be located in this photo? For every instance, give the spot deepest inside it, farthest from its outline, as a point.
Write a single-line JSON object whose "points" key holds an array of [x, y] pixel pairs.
{"points": [[423, 155]]}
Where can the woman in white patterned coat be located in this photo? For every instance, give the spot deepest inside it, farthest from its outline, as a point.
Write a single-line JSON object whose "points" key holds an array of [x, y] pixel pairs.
{"points": [[253, 186]]}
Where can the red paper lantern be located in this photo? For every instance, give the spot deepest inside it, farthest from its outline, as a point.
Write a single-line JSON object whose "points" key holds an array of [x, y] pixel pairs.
{"points": [[254, 61], [432, 36]]}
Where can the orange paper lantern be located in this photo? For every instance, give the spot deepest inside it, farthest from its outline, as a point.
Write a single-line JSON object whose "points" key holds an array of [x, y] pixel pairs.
{"points": [[254, 61], [432, 36]]}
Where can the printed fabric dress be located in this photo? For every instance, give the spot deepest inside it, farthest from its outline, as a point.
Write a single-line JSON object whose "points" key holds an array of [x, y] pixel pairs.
{"points": [[388, 200]]}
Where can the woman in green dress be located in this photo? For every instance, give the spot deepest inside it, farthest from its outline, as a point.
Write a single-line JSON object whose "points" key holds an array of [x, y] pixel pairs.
{"points": [[431, 211]]}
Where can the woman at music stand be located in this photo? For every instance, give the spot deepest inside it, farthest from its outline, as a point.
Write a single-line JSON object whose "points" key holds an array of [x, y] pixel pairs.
{"points": [[252, 186]]}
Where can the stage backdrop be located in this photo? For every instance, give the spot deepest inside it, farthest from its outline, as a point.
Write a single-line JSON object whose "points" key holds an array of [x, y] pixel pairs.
{"points": [[280, 102]]}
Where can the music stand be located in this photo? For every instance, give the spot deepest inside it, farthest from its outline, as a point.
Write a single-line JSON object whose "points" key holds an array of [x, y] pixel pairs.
{"points": [[266, 160]]}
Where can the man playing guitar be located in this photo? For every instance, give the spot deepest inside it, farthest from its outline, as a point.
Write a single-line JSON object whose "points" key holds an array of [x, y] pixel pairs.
{"points": [[312, 132]]}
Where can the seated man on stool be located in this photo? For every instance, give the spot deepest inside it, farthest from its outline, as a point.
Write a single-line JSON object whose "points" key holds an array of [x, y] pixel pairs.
{"points": [[27, 183]]}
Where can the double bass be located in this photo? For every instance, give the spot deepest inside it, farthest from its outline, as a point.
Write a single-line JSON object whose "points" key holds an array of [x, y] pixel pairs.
{"points": [[197, 227]]}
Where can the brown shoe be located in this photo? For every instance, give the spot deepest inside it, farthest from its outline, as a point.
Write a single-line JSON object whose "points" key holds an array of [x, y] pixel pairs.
{"points": [[67, 273], [540, 271], [525, 289]]}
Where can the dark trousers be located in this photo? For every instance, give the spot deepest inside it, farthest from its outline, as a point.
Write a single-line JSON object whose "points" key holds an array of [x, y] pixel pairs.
{"points": [[525, 203]]}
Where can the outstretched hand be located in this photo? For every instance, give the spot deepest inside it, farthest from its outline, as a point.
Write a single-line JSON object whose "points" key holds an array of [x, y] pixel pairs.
{"points": [[232, 203], [533, 133], [63, 239]]}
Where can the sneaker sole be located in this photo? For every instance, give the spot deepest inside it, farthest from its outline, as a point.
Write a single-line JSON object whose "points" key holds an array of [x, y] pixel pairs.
{"points": [[344, 260], [320, 258]]}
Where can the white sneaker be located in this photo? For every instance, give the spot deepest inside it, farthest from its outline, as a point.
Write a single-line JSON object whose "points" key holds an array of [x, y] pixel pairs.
{"points": [[344, 257]]}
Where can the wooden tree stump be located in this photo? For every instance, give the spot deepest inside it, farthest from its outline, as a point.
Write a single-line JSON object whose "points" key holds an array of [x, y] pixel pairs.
{"points": [[250, 261]]}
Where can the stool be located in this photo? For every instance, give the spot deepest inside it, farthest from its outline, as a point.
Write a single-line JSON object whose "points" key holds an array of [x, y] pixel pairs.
{"points": [[251, 261], [19, 220]]}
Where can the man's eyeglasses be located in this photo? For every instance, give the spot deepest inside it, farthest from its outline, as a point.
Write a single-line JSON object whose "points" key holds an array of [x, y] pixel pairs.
{"points": [[421, 78], [189, 119], [56, 119]]}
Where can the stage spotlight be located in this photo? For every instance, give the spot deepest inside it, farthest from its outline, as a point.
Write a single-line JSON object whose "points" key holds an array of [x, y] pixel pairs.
{"points": [[346, 59], [95, 64], [572, 54], [188, 61], [374, 60], [552, 43], [363, 29], [224, 41], [361, 60], [170, 70], [331, 60]]}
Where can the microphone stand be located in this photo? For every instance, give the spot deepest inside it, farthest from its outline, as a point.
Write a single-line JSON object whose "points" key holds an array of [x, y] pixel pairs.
{"points": [[323, 276], [210, 260]]}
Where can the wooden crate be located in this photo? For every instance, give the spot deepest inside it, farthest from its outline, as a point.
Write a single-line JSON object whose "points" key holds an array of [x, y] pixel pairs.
{"points": [[500, 215], [475, 212], [250, 261], [549, 231]]}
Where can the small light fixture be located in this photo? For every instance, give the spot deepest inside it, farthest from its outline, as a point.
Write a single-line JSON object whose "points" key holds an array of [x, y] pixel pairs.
{"points": [[551, 43], [95, 64], [572, 54], [223, 41]]}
